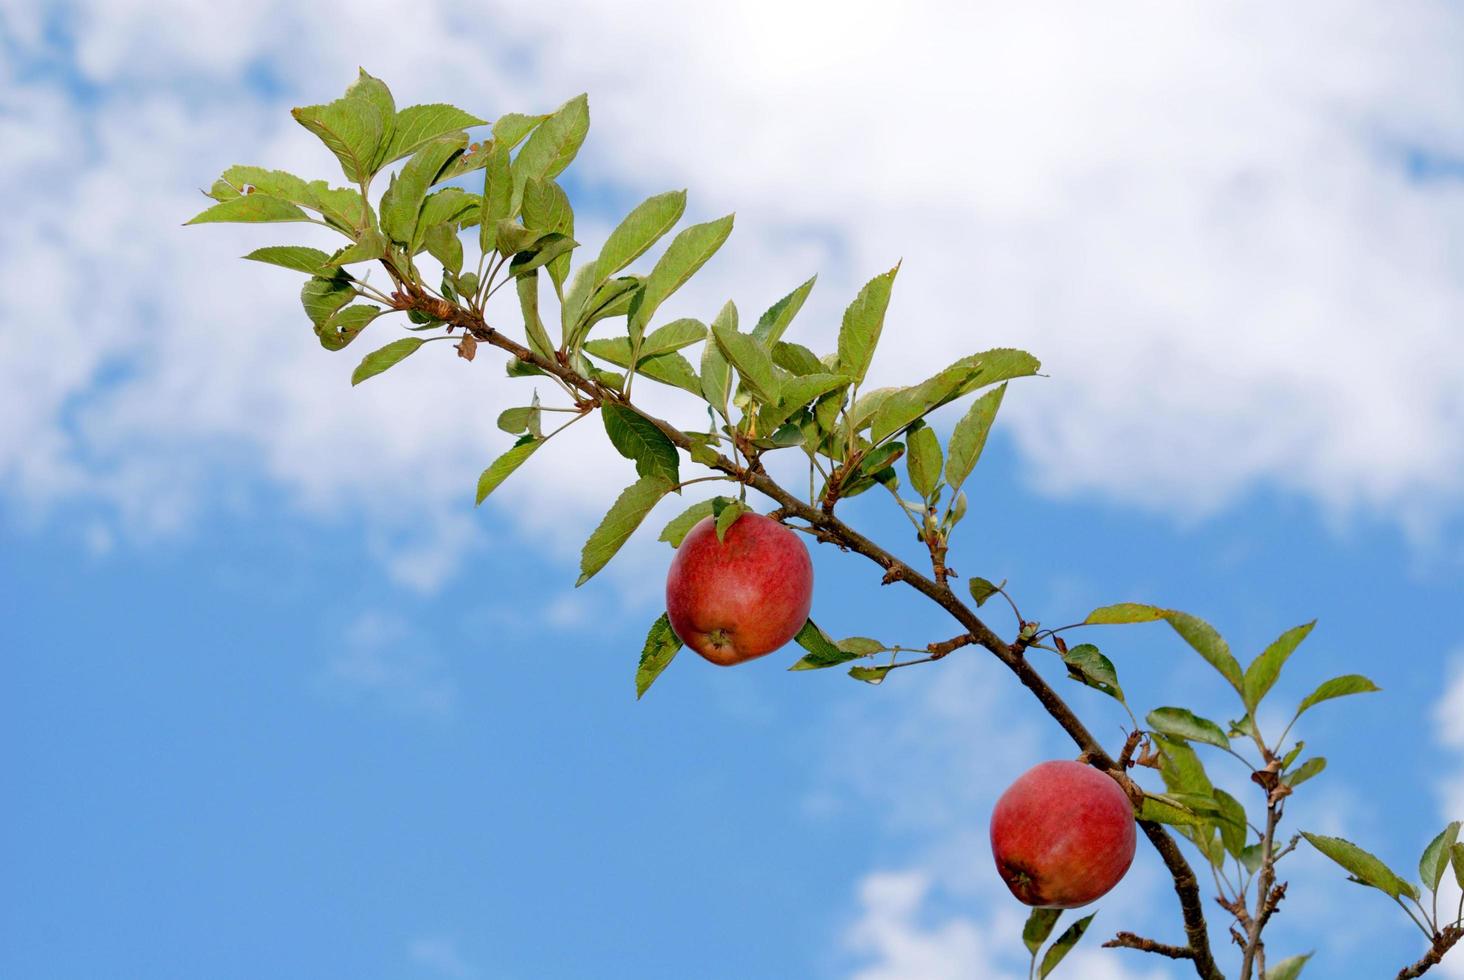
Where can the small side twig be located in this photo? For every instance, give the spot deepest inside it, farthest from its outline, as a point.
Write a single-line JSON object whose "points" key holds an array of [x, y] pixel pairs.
{"points": [[1128, 940]]}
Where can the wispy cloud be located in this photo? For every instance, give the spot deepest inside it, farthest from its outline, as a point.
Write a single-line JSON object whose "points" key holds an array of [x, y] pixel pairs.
{"points": [[381, 660], [1230, 232], [440, 956], [903, 940]]}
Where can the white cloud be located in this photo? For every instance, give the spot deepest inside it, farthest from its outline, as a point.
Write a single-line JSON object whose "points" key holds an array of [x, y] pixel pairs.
{"points": [[1449, 718], [441, 957], [1203, 220], [381, 660], [896, 932]]}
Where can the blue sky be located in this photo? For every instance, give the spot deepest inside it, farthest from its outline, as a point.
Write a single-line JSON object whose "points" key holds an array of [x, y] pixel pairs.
{"points": [[277, 701]]}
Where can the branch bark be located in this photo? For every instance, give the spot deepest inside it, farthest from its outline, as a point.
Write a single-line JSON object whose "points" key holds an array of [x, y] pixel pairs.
{"points": [[829, 527], [1443, 942], [1128, 940]]}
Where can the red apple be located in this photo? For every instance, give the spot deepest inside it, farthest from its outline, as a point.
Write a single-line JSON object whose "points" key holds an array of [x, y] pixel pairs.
{"points": [[741, 597], [1062, 835]]}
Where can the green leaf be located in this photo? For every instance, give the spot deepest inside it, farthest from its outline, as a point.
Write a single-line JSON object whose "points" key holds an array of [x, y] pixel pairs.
{"points": [[546, 250], [1087, 664], [311, 261], [620, 522], [451, 204], [1232, 823], [861, 413], [1244, 728], [379, 360], [418, 125], [1206, 805], [344, 325], [1305, 771], [824, 652], [1209, 644], [343, 207], [796, 358], [638, 231], [250, 208], [750, 358], [1039, 926], [1435, 858], [982, 589], [862, 325], [504, 465], [1181, 768], [956, 512], [370, 246], [374, 91], [443, 244], [861, 646], [727, 512], [1196, 632], [1064, 945], [1263, 671], [402, 202], [1458, 861], [994, 366], [1364, 867], [687, 253], [510, 128], [969, 373], [1183, 723], [680, 526], [906, 405], [546, 207], [552, 145], [352, 128], [673, 336], [1337, 687], [869, 675], [222, 190], [523, 418], [923, 460], [497, 204], [877, 467], [716, 373], [322, 296], [612, 299], [538, 337], [1287, 969], [275, 183], [636, 438], [662, 643], [671, 369], [771, 324], [969, 437], [795, 393], [1157, 809], [1123, 612], [1290, 757]]}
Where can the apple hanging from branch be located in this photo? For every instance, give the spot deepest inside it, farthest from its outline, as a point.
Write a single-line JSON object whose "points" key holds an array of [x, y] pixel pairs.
{"points": [[742, 594], [1063, 835]]}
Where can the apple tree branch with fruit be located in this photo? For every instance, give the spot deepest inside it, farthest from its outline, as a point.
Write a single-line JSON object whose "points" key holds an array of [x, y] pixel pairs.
{"points": [[741, 583]]}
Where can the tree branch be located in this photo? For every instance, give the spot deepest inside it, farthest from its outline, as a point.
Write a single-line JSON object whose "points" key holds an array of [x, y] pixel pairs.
{"points": [[1443, 942], [1128, 940], [828, 527]]}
